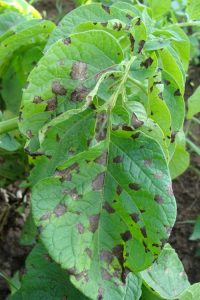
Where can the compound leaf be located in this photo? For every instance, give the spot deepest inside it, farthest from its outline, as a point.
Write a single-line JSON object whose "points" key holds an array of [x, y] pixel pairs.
{"points": [[193, 9], [107, 214]]}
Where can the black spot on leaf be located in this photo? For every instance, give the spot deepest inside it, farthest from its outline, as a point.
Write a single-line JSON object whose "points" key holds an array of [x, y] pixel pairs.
{"points": [[82, 276], [104, 24], [177, 93], [46, 216], [135, 217], [80, 228], [127, 128], [88, 252], [79, 94], [106, 256], [147, 162], [125, 273], [58, 88], [60, 210], [173, 137], [147, 63], [51, 104], [67, 41], [97, 183], [143, 230], [134, 186], [158, 199], [136, 122], [118, 252], [100, 293], [108, 208], [167, 82], [117, 26], [101, 159], [141, 45], [106, 8], [79, 71], [119, 190], [37, 100], [138, 22], [105, 274], [126, 236], [94, 222], [135, 135], [132, 41], [118, 159], [129, 17]]}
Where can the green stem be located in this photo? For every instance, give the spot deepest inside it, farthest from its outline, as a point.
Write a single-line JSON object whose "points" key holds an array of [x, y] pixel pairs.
{"points": [[9, 125], [190, 23], [139, 84]]}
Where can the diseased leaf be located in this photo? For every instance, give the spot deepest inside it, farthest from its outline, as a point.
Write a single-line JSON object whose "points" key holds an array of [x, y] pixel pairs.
{"points": [[96, 226], [44, 279], [167, 276]]}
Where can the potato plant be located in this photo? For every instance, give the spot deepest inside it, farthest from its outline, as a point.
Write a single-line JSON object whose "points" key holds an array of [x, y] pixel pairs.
{"points": [[102, 117]]}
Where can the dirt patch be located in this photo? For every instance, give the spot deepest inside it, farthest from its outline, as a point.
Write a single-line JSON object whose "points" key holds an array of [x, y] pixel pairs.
{"points": [[187, 193], [12, 254], [54, 9]]}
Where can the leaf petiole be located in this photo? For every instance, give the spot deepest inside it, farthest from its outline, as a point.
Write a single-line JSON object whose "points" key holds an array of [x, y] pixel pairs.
{"points": [[8, 125]]}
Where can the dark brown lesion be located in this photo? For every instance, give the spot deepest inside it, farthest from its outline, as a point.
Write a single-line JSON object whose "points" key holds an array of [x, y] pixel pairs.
{"points": [[79, 94], [58, 88], [79, 70], [51, 104]]}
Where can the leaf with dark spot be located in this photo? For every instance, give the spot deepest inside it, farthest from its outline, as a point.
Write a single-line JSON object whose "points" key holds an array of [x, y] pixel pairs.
{"points": [[51, 104], [134, 186], [118, 159], [106, 256], [138, 22], [79, 94], [159, 199], [80, 228], [88, 252], [97, 183], [60, 210], [58, 88], [132, 41], [129, 17], [94, 222], [105, 274], [136, 135], [147, 162], [106, 8], [82, 276], [79, 70], [100, 293], [127, 128], [147, 63], [135, 217], [144, 232], [126, 236], [141, 45], [136, 122], [46, 216], [119, 190], [37, 100], [102, 159], [177, 93], [108, 208]]}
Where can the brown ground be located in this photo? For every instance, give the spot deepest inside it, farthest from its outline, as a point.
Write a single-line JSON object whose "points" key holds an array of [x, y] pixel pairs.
{"points": [[186, 188]]}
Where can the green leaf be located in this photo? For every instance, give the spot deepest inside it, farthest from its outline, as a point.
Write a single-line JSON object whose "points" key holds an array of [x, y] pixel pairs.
{"points": [[44, 279], [159, 10], [26, 35], [180, 160], [71, 69], [194, 104], [9, 20], [8, 143], [192, 293], [193, 9], [91, 12], [196, 231], [148, 294], [106, 234], [21, 6], [166, 276]]}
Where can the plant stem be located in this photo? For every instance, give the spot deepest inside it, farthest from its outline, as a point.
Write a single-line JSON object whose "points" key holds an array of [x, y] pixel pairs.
{"points": [[9, 125], [190, 23], [139, 84]]}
